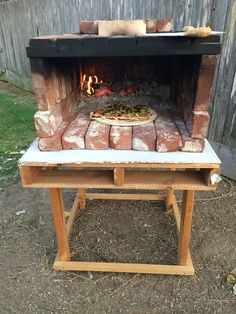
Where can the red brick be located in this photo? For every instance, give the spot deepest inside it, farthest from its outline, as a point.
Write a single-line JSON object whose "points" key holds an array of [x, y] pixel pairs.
{"points": [[74, 136], [144, 137], [69, 106], [53, 143], [197, 123], [189, 144], [97, 136], [168, 137], [121, 137], [151, 26], [163, 26], [47, 122], [203, 92], [204, 84], [208, 63], [88, 27], [44, 91]]}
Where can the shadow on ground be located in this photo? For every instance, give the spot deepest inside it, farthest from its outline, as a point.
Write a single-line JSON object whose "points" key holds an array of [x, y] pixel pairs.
{"points": [[124, 231]]}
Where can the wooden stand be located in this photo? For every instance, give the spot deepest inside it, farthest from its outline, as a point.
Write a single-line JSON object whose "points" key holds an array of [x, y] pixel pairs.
{"points": [[188, 177]]}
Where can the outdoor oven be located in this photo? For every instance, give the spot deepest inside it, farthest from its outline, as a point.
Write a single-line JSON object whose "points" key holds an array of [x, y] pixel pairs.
{"points": [[73, 74]]}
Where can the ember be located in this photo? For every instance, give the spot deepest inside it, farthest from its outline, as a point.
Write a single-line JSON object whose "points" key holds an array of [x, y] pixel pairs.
{"points": [[104, 92]]}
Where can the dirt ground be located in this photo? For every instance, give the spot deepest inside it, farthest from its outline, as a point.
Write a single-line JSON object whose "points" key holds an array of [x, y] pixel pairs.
{"points": [[7, 87], [131, 231], [122, 231]]}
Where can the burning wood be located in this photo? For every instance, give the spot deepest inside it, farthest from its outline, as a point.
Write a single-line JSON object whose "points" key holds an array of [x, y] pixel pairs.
{"points": [[104, 92], [128, 90], [90, 84]]}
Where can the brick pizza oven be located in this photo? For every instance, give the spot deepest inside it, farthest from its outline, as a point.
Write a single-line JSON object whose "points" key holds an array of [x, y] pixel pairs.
{"points": [[73, 74]]}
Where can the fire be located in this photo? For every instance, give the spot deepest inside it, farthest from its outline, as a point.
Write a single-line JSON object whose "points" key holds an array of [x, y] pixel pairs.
{"points": [[90, 89], [89, 84]]}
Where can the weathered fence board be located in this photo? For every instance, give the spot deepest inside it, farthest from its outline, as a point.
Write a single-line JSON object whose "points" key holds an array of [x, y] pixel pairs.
{"points": [[20, 20]]}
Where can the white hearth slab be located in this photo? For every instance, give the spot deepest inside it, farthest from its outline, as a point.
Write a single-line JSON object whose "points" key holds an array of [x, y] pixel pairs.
{"points": [[34, 156]]}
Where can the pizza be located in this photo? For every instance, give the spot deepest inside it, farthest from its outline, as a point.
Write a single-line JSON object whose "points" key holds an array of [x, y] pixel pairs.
{"points": [[122, 112]]}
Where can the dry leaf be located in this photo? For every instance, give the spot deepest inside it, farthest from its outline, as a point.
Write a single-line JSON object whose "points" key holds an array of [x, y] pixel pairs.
{"points": [[66, 214], [230, 278]]}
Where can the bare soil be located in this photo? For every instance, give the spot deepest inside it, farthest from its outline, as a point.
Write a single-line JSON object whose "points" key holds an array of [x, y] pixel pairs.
{"points": [[124, 231]]}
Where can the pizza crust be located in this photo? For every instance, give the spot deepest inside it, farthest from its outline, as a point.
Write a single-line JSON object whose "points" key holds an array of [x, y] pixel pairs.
{"points": [[115, 121]]}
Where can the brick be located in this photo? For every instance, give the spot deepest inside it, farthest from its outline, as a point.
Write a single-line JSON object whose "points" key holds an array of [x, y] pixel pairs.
{"points": [[197, 123], [69, 106], [208, 63], [97, 136], [168, 137], [74, 136], [44, 91], [122, 27], [163, 26], [203, 92], [53, 143], [47, 122], [204, 83], [121, 137], [42, 83], [88, 27], [189, 144], [150, 26], [144, 137]]}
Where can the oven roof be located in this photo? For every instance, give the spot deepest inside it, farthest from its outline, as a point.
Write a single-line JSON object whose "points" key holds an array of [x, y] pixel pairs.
{"points": [[77, 45]]}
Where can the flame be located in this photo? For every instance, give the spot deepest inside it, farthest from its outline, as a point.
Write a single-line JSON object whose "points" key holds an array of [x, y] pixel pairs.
{"points": [[88, 84], [90, 89]]}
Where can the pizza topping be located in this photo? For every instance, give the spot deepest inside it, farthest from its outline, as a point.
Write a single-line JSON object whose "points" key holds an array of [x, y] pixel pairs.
{"points": [[123, 112]]}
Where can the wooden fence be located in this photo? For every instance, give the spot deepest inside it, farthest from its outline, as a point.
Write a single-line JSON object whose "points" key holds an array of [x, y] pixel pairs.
{"points": [[23, 19]]}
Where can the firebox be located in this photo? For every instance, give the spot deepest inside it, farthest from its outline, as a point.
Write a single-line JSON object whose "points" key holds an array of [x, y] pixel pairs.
{"points": [[75, 74]]}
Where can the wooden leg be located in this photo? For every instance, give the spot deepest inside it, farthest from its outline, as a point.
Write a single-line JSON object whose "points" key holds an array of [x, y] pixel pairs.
{"points": [[60, 225], [82, 199], [185, 227], [169, 200]]}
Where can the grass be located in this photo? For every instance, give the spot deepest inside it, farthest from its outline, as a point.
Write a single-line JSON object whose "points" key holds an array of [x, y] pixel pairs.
{"points": [[16, 132], [16, 122]]}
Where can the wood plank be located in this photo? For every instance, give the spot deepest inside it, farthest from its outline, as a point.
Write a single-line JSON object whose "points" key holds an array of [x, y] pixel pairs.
{"points": [[124, 267], [223, 120], [60, 225], [100, 50], [82, 199], [169, 199], [152, 180], [125, 196], [28, 174], [165, 166], [185, 227], [119, 176], [72, 217], [178, 222], [163, 179], [207, 173]]}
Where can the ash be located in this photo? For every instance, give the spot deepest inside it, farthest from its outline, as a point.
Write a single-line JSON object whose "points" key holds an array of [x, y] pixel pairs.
{"points": [[148, 93]]}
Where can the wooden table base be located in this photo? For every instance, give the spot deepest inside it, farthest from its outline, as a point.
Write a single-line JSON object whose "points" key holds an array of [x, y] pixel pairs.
{"points": [[122, 170], [63, 231]]}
